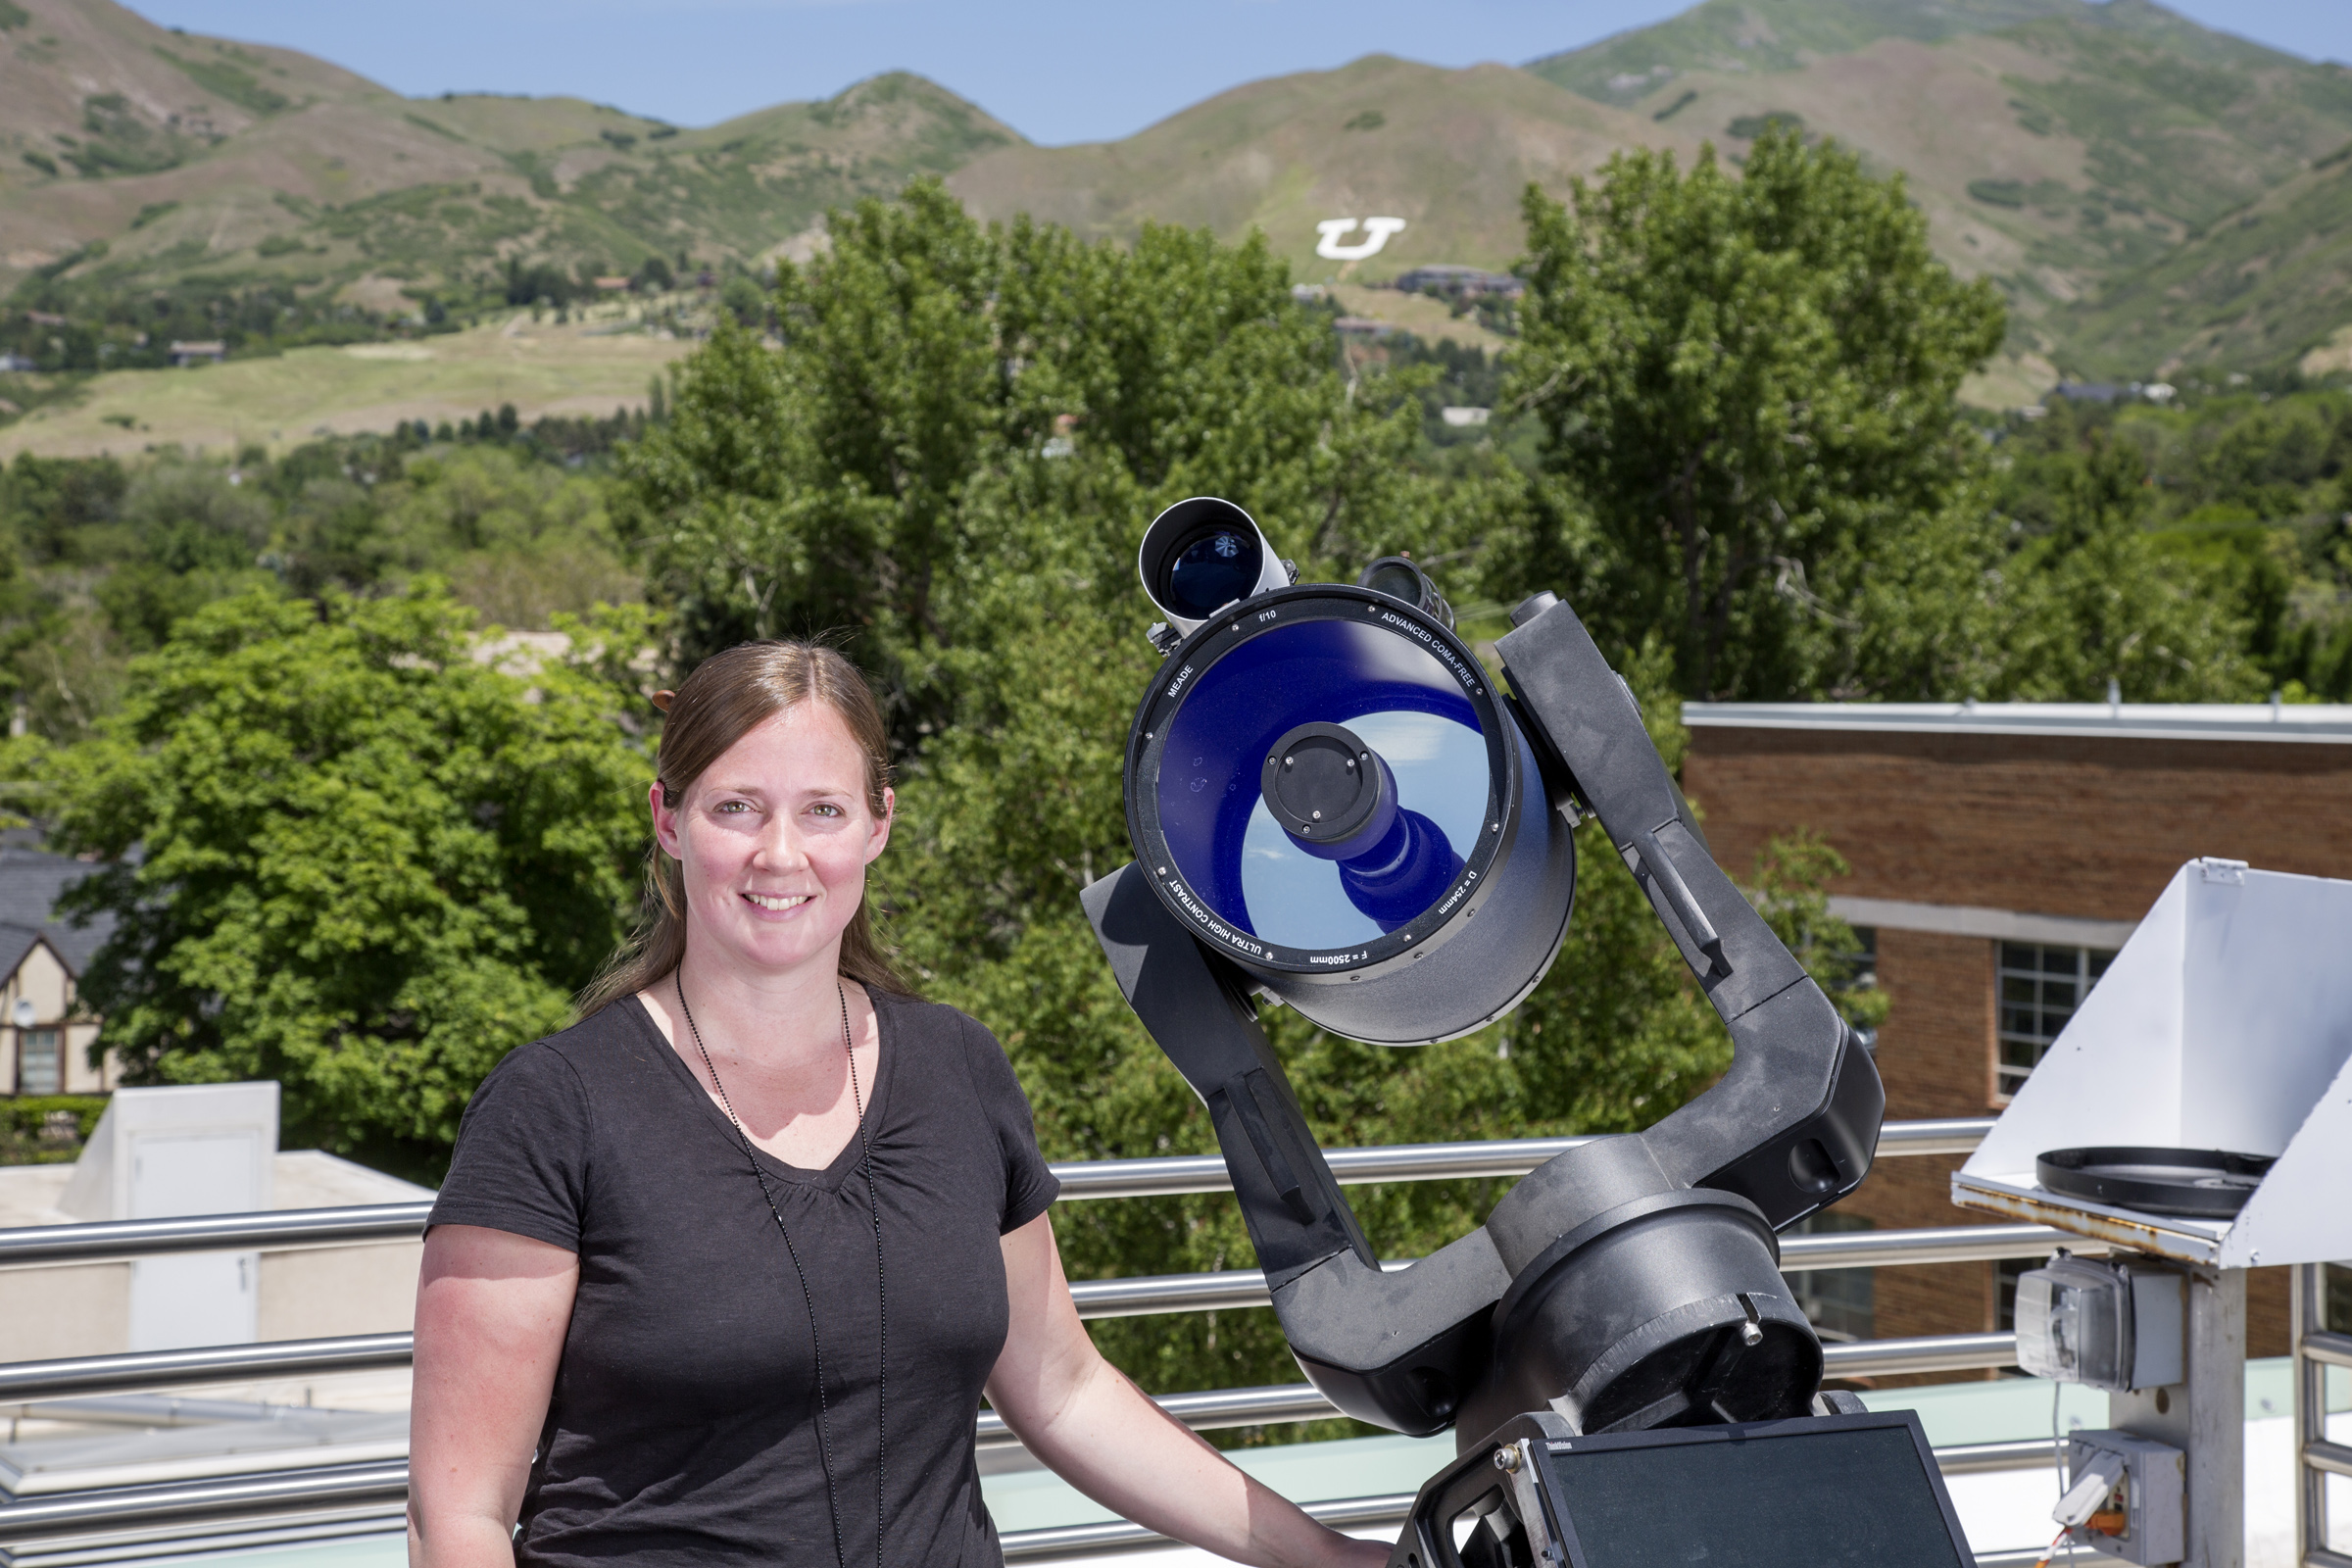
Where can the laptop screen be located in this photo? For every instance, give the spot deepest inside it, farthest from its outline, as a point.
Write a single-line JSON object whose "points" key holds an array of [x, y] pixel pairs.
{"points": [[1806, 1496]]}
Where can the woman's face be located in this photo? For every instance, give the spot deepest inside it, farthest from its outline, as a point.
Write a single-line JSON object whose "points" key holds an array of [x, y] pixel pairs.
{"points": [[774, 840]]}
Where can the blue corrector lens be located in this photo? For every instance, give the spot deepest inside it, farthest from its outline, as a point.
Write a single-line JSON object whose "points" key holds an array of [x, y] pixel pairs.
{"points": [[1382, 742]]}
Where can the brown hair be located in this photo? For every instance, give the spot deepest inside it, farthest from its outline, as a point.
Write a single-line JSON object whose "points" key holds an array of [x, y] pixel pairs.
{"points": [[728, 697]]}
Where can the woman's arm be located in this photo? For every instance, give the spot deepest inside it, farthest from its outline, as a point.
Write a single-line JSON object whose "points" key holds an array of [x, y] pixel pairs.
{"points": [[491, 1312], [1076, 1412]]}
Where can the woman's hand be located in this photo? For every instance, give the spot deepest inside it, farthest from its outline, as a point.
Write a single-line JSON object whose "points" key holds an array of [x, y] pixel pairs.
{"points": [[1076, 1412], [491, 1313]]}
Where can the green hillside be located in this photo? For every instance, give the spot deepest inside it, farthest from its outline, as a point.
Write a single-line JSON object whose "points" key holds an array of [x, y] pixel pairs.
{"points": [[1765, 35], [2057, 146], [1448, 151], [133, 158], [2261, 288], [2144, 190]]}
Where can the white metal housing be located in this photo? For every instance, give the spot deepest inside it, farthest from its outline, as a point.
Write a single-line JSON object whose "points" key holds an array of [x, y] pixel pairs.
{"points": [[2226, 1022]]}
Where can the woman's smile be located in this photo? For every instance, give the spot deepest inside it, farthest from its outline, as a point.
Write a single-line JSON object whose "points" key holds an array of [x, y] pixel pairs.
{"points": [[779, 903]]}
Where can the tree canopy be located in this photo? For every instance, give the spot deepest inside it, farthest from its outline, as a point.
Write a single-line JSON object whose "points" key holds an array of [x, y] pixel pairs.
{"points": [[1753, 448], [1751, 384], [343, 851]]}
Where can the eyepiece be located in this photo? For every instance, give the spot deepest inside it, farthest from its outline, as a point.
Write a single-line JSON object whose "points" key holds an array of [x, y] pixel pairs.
{"points": [[1399, 578], [1201, 554]]}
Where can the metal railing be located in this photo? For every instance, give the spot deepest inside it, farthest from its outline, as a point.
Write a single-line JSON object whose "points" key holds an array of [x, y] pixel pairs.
{"points": [[2317, 1350], [64, 1529], [292, 1229], [1165, 1175], [380, 1489]]}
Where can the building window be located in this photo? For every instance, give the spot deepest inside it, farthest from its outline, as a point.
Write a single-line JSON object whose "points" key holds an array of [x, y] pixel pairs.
{"points": [[41, 1062], [1838, 1300], [2040, 987], [2336, 1303]]}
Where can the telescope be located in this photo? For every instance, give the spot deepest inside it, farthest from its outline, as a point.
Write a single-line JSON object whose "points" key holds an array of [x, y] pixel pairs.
{"points": [[1335, 807]]}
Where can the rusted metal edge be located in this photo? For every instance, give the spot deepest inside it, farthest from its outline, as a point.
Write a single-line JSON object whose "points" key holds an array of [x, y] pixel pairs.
{"points": [[2113, 1227]]}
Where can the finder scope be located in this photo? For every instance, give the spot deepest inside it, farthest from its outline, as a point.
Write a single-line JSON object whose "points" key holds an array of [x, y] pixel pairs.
{"points": [[1201, 554]]}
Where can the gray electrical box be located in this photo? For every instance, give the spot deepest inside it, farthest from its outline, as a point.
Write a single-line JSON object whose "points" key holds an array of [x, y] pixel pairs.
{"points": [[2126, 1498], [2111, 1323]]}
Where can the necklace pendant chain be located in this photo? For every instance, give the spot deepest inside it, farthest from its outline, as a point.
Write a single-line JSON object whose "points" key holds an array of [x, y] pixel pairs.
{"points": [[873, 1204]]}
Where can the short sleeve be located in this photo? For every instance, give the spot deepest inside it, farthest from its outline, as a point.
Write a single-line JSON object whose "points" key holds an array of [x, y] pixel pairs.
{"points": [[1030, 1185], [522, 1161]]}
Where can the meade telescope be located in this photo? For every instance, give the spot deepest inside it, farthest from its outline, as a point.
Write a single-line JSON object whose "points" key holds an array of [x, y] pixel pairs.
{"points": [[1333, 808]]}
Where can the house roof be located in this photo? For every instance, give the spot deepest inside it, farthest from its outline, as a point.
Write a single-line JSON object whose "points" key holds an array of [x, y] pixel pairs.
{"points": [[16, 942], [2324, 722], [30, 880]]}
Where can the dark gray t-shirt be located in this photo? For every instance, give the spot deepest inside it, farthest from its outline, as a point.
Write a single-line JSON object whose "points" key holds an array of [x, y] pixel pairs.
{"points": [[683, 1427]]}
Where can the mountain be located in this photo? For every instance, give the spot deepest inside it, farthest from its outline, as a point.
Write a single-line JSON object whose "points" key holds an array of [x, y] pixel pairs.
{"points": [[2260, 287], [2145, 191], [2057, 146], [1448, 151], [183, 155], [1770, 35]]}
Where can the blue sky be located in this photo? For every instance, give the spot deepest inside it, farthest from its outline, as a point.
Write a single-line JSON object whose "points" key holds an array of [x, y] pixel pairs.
{"points": [[1057, 70]]}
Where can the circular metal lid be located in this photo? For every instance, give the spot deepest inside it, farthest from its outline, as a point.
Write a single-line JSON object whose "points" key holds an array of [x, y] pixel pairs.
{"points": [[2194, 1183]]}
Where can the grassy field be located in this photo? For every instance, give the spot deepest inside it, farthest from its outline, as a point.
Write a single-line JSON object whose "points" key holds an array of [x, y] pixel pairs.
{"points": [[581, 368]]}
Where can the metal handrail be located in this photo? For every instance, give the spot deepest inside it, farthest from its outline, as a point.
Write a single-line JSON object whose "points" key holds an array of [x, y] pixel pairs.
{"points": [[1948, 1243], [29, 1381], [1143, 1295], [386, 1481], [1204, 1411], [1982, 1458], [24, 1382], [289, 1229], [1170, 1174], [1302, 1401], [275, 1230], [363, 1487], [1139, 1296], [1928, 1353], [1118, 1534]]}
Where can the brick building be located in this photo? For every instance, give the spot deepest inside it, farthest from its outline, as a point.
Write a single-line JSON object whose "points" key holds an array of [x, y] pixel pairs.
{"points": [[2000, 854]]}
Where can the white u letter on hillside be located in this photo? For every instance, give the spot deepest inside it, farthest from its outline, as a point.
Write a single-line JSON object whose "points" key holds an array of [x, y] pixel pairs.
{"points": [[1376, 234]]}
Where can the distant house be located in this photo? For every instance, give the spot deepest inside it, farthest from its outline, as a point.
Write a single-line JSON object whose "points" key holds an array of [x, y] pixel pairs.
{"points": [[44, 1046], [2109, 392], [611, 285], [186, 354], [1469, 283], [1363, 325], [18, 362]]}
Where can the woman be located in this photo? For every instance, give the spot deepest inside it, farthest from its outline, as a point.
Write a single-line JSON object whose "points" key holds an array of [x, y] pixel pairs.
{"points": [[720, 1272]]}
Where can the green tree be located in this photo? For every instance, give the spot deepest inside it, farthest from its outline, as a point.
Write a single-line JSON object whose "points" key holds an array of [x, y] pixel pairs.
{"points": [[342, 852], [2096, 602], [1747, 388], [942, 387], [520, 541]]}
